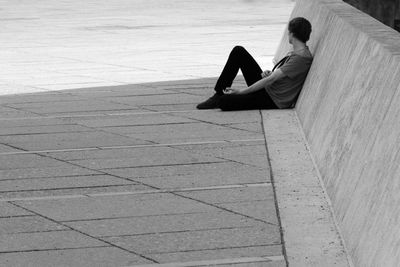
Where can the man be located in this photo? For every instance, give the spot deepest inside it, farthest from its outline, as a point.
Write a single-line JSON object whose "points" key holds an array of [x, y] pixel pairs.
{"points": [[274, 89]]}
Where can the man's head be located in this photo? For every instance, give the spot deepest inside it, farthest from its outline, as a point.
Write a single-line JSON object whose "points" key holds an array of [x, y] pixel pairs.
{"points": [[299, 28]]}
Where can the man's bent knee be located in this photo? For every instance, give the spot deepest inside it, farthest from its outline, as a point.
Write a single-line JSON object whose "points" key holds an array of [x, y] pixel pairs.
{"points": [[238, 49]]}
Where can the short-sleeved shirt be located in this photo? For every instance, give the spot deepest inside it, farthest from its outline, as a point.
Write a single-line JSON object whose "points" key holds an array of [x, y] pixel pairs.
{"points": [[285, 91]]}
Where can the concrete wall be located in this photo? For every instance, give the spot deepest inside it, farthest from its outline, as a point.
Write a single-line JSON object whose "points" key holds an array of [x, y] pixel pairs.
{"points": [[350, 112]]}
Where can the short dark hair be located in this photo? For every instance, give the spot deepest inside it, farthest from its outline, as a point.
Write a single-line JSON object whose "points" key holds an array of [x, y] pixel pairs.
{"points": [[301, 28]]}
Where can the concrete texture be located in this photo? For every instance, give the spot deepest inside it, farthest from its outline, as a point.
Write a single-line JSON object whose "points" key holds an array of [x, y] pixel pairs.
{"points": [[349, 112], [311, 236]]}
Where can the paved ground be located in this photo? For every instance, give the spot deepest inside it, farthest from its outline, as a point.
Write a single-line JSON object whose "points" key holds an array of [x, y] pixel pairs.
{"points": [[129, 175], [121, 169]]}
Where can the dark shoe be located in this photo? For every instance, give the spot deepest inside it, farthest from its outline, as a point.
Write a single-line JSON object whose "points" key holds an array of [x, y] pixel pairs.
{"points": [[212, 102]]}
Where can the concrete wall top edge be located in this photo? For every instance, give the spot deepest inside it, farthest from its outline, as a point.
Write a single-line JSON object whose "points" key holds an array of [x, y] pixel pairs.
{"points": [[363, 22]]}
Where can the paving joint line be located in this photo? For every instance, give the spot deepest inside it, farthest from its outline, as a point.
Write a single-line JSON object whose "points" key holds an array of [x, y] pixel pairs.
{"points": [[222, 208], [124, 147], [67, 188], [242, 260], [214, 123], [149, 112], [49, 249], [85, 234], [181, 231], [218, 248], [139, 192], [138, 216]]}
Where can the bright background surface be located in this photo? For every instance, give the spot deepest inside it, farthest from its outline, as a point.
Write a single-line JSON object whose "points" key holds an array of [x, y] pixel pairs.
{"points": [[54, 45]]}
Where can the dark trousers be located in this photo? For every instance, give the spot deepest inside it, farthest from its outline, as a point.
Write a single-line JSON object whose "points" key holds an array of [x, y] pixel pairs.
{"points": [[240, 59]]}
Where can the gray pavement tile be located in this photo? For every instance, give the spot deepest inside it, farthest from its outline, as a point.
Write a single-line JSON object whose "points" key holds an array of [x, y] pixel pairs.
{"points": [[200, 91], [251, 126], [216, 254], [209, 81], [22, 161], [154, 159], [126, 91], [238, 149], [69, 106], [216, 170], [149, 118], [38, 98], [169, 107], [65, 170], [34, 121], [45, 241], [220, 117], [162, 224], [262, 210], [91, 113], [260, 161], [184, 132], [7, 149], [151, 100], [69, 140], [99, 90], [246, 194], [73, 191], [8, 112], [281, 263], [114, 206], [9, 210], [84, 257], [60, 183], [146, 154], [199, 240], [29, 224], [41, 129], [203, 180]]}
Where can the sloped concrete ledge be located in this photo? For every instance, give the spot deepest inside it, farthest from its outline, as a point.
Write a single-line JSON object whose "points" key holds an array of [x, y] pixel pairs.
{"points": [[309, 230], [349, 111]]}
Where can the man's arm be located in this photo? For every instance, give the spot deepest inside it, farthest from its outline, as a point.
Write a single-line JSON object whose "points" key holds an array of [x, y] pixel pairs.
{"points": [[274, 76]]}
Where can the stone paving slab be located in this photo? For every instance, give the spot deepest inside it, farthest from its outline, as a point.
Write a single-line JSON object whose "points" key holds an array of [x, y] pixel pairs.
{"points": [[22, 161], [199, 240], [114, 206], [143, 118], [8, 210], [82, 257], [29, 224], [74, 191], [42, 129], [214, 170], [263, 192], [46, 240], [201, 180], [59, 171], [70, 106], [32, 184], [185, 132], [162, 224], [215, 254], [140, 157]]}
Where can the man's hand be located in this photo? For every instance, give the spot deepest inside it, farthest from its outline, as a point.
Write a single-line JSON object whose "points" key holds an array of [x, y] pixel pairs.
{"points": [[232, 91], [266, 73]]}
